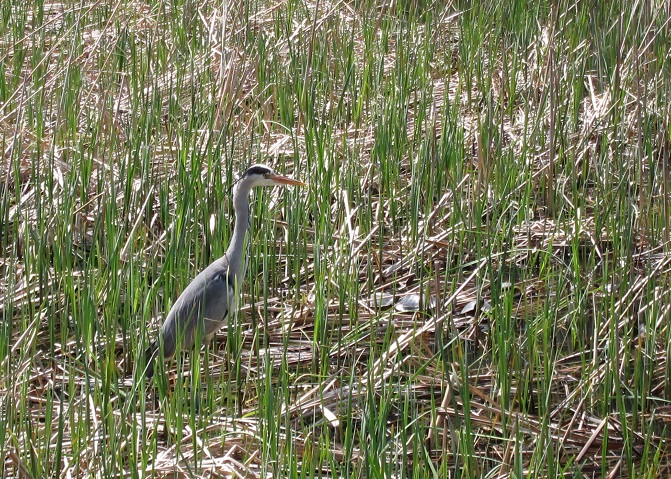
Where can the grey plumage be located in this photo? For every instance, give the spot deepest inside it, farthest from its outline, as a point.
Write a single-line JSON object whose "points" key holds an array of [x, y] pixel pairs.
{"points": [[204, 306]]}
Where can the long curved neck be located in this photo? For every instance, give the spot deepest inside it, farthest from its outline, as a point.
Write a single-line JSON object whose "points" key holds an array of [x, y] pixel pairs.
{"points": [[237, 252]]}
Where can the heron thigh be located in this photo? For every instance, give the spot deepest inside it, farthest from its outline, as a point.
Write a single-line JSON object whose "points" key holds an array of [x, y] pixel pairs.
{"points": [[211, 327]]}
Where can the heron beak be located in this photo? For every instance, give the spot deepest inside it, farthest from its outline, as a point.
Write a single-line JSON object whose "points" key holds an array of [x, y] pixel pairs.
{"points": [[284, 180]]}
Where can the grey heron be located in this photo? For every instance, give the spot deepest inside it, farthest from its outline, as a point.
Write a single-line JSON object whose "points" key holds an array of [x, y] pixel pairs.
{"points": [[207, 302]]}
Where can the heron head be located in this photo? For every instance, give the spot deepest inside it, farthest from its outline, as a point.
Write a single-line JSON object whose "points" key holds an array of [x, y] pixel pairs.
{"points": [[262, 175]]}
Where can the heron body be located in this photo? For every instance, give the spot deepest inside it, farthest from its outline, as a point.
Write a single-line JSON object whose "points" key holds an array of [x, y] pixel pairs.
{"points": [[206, 303]]}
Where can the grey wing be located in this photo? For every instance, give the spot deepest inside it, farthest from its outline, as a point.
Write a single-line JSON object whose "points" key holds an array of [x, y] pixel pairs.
{"points": [[220, 299], [204, 304]]}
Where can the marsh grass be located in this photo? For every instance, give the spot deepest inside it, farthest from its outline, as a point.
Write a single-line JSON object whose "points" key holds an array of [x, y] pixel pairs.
{"points": [[501, 167]]}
